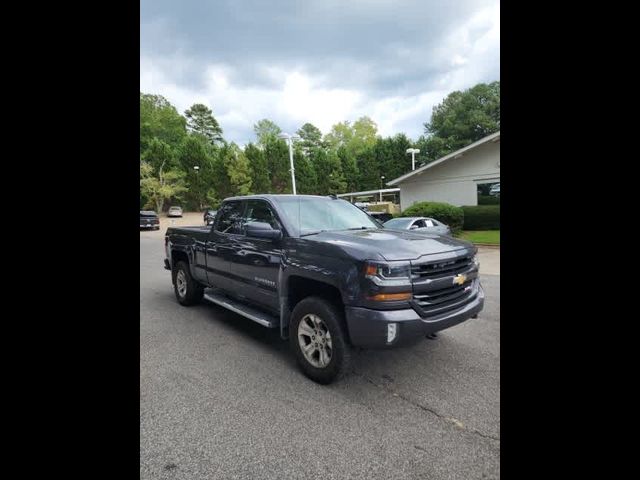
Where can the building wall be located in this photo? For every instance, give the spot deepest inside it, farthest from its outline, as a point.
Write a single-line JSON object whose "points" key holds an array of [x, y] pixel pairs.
{"points": [[455, 180]]}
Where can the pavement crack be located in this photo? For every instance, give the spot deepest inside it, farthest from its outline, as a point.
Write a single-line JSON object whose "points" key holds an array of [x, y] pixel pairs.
{"points": [[449, 420]]}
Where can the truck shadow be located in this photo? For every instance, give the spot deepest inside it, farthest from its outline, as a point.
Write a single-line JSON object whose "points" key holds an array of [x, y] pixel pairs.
{"points": [[248, 328], [383, 365]]}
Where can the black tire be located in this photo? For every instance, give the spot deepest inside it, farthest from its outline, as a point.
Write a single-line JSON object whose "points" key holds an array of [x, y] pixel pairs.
{"points": [[188, 291], [333, 319]]}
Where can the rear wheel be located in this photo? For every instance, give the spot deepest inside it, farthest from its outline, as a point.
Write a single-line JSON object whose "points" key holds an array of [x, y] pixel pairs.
{"points": [[318, 339], [188, 291]]}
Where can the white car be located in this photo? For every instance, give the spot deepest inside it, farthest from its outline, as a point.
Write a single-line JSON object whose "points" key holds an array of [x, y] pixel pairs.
{"points": [[174, 212], [418, 224], [495, 190]]}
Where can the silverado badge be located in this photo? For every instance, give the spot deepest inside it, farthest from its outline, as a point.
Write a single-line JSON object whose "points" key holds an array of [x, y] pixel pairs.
{"points": [[459, 279]]}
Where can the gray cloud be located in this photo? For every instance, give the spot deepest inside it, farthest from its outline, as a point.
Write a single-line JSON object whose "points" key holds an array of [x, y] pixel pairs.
{"points": [[256, 59]]}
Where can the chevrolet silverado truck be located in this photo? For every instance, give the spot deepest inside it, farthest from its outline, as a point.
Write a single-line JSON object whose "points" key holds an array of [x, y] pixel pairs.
{"points": [[325, 274]]}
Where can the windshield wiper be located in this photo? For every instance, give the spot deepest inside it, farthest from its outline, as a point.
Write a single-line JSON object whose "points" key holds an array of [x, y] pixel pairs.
{"points": [[342, 229], [312, 233]]}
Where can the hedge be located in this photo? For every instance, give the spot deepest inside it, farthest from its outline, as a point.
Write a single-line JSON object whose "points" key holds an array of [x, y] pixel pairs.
{"points": [[482, 217], [443, 212], [488, 200]]}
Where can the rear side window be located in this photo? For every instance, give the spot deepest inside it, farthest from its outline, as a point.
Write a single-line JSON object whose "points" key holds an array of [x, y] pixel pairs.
{"points": [[230, 218], [429, 223]]}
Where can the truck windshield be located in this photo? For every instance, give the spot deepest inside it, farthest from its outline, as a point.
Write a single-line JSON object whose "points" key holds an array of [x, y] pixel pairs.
{"points": [[316, 214]]}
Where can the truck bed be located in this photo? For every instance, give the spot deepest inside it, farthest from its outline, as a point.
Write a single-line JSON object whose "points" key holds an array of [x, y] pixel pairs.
{"points": [[196, 232]]}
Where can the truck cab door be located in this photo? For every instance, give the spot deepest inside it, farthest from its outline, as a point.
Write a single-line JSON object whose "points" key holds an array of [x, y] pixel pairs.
{"points": [[257, 260], [223, 241]]}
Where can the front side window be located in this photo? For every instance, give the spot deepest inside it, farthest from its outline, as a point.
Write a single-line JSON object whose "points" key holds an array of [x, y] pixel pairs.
{"points": [[260, 211], [230, 218]]}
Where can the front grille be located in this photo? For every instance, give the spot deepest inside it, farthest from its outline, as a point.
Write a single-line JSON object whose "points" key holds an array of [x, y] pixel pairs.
{"points": [[440, 269], [446, 299]]}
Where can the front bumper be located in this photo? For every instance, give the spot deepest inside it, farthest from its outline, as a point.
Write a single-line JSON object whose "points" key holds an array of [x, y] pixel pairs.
{"points": [[368, 328]]}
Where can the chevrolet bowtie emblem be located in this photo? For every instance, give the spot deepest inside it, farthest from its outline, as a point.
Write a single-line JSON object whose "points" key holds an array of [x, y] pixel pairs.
{"points": [[459, 279]]}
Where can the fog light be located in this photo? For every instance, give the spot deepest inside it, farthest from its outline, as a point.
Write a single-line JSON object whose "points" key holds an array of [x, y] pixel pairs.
{"points": [[392, 330]]}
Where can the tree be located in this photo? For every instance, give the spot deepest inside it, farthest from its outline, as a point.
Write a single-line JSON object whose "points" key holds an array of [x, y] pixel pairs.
{"points": [[311, 138], [161, 186], [350, 170], [238, 170], [159, 119], [157, 158], [391, 156], [194, 153], [339, 136], [276, 153], [200, 120], [266, 131], [159, 154], [260, 175], [432, 148], [463, 118], [329, 172], [364, 134], [369, 170], [306, 178]]}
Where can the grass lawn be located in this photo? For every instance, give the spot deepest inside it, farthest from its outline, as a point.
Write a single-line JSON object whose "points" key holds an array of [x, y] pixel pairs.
{"points": [[481, 236]]}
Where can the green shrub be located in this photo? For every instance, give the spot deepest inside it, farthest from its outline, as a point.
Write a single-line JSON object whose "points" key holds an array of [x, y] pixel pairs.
{"points": [[488, 200], [482, 217], [443, 212]]}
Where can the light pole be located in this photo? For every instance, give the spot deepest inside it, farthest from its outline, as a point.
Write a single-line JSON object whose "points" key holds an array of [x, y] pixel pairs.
{"points": [[290, 139], [413, 152], [197, 169]]}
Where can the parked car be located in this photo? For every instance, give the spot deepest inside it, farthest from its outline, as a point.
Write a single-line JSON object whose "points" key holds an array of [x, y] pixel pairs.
{"points": [[325, 274], [418, 224], [149, 219], [174, 212], [381, 216], [495, 190], [209, 216]]}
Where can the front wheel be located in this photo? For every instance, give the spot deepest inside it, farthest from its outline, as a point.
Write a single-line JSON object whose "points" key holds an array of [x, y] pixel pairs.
{"points": [[188, 291], [318, 339]]}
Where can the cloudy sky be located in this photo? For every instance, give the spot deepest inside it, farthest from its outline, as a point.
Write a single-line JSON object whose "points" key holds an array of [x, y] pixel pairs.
{"points": [[318, 61]]}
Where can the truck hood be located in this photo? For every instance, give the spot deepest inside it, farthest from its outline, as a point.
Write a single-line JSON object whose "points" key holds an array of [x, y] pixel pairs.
{"points": [[390, 244]]}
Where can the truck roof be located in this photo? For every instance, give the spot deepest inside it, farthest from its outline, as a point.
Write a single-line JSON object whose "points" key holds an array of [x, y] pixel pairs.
{"points": [[274, 196]]}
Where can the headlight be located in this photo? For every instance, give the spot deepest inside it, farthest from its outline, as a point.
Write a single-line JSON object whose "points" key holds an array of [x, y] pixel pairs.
{"points": [[475, 261], [389, 274]]}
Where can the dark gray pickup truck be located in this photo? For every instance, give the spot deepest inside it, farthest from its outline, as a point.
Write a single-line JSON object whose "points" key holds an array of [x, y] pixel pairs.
{"points": [[325, 274]]}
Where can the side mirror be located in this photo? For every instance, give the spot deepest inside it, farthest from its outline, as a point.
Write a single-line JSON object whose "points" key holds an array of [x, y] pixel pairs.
{"points": [[413, 227], [262, 230]]}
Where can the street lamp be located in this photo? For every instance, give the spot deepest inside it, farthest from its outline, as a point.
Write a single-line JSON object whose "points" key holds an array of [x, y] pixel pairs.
{"points": [[290, 139], [413, 152], [197, 169]]}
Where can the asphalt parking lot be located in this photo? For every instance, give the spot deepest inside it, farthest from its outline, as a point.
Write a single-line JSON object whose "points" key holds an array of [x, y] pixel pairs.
{"points": [[221, 397]]}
